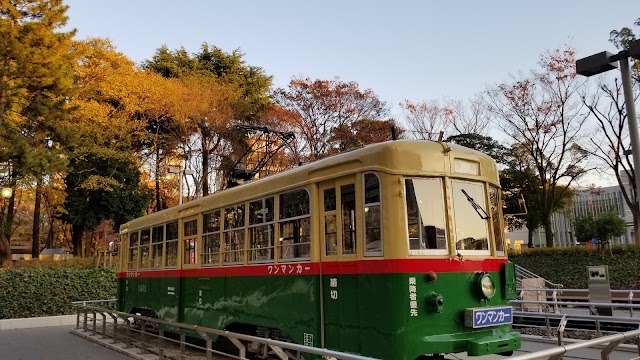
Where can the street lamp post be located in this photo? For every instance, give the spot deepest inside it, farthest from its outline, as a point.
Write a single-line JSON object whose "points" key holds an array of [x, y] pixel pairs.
{"points": [[605, 61], [181, 172]]}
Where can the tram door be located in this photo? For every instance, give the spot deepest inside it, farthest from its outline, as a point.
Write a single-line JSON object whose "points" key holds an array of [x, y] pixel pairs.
{"points": [[339, 276]]}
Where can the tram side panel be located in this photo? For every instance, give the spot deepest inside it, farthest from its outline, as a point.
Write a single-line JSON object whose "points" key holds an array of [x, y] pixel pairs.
{"points": [[164, 299], [230, 300]]}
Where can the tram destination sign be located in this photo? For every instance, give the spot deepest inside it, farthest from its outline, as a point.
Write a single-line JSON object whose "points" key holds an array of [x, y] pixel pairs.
{"points": [[488, 316]]}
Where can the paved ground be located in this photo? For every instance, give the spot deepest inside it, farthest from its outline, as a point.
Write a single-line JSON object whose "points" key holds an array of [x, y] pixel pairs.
{"points": [[51, 343]]}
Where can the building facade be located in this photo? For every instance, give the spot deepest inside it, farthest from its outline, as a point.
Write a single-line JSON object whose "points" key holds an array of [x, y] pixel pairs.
{"points": [[593, 202]]}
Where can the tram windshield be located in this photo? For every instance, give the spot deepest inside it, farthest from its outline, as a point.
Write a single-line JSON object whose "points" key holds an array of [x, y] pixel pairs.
{"points": [[470, 217]]}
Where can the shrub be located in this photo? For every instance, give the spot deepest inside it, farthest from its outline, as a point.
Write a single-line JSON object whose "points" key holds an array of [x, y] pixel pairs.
{"points": [[568, 266], [47, 288]]}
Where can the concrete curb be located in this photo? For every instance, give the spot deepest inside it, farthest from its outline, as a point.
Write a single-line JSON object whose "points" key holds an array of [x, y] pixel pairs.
{"points": [[119, 347], [36, 322]]}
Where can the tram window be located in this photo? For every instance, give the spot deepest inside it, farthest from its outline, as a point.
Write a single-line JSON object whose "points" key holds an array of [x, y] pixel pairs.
{"points": [[330, 223], [157, 235], [348, 202], [372, 215], [471, 223], [329, 199], [261, 228], [190, 232], [295, 226], [145, 240], [133, 251], [233, 235], [295, 203], [496, 217], [331, 234], [171, 251], [211, 238], [425, 215]]}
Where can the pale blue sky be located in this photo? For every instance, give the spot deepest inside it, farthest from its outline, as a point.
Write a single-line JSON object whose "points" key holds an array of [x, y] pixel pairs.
{"points": [[416, 50]]}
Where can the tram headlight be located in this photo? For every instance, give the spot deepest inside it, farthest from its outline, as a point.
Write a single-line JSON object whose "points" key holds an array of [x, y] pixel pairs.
{"points": [[487, 286]]}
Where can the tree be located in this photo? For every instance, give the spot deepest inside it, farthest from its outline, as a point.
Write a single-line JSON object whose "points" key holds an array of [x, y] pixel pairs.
{"points": [[621, 39], [484, 144], [105, 159], [207, 106], [101, 189], [542, 115], [35, 82], [426, 119], [321, 106], [237, 92], [363, 132], [471, 118], [604, 228], [610, 144]]}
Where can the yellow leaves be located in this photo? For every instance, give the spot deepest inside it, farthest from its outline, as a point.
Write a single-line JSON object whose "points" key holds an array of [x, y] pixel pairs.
{"points": [[96, 182]]}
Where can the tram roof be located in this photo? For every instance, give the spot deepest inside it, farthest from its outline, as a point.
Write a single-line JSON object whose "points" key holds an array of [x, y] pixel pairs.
{"points": [[407, 157]]}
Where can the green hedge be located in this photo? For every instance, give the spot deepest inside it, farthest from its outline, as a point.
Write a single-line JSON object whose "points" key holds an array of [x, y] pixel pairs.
{"points": [[47, 289], [568, 266]]}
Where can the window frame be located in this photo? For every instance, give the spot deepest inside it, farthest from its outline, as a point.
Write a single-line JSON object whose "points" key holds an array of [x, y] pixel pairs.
{"points": [[445, 213], [499, 220], [176, 240], [380, 251], [270, 226], [240, 229], [137, 249], [282, 221], [214, 232], [153, 244], [454, 235], [189, 240]]}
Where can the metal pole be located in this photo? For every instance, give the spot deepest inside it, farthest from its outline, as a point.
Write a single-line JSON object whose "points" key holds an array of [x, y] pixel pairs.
{"points": [[633, 125], [180, 175]]}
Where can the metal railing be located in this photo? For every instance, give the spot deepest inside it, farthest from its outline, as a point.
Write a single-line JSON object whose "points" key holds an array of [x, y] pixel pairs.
{"points": [[610, 342], [542, 294], [522, 273], [563, 321], [132, 329]]}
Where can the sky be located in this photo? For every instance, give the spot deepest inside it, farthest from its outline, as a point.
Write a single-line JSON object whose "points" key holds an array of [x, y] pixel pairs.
{"points": [[415, 50], [401, 49]]}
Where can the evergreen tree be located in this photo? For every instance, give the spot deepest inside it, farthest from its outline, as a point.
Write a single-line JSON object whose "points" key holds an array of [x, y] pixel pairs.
{"points": [[93, 196], [35, 81]]}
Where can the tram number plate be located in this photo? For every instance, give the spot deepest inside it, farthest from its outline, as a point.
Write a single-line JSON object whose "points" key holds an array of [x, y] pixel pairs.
{"points": [[488, 316]]}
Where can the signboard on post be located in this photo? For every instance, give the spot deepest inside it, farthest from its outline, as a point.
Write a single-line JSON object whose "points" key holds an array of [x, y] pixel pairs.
{"points": [[599, 288]]}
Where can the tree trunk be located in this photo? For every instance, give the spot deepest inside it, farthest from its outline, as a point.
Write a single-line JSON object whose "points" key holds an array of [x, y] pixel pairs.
{"points": [[50, 235], [7, 223], [35, 237], [636, 227], [5, 251], [548, 232], [77, 232], [530, 239], [158, 203], [205, 170]]}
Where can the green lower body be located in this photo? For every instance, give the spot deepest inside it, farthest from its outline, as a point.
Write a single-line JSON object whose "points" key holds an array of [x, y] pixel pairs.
{"points": [[368, 314]]}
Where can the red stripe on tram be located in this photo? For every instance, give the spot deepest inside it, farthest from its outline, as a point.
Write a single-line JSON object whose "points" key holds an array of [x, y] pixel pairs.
{"points": [[395, 266]]}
